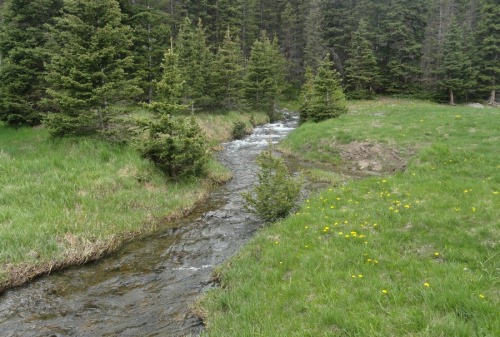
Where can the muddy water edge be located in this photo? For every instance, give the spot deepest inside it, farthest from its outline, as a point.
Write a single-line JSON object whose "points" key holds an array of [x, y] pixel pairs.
{"points": [[146, 288]]}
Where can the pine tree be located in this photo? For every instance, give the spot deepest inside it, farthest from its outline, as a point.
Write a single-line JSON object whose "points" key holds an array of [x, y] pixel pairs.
{"points": [[227, 79], [151, 38], [22, 57], [305, 112], [438, 22], [488, 34], [315, 44], [325, 98], [361, 66], [87, 69], [292, 37], [194, 62], [455, 63], [170, 89], [265, 74], [338, 25], [402, 40]]}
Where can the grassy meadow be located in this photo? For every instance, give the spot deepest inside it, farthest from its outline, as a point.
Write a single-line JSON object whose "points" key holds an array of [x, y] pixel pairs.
{"points": [[68, 201], [411, 253]]}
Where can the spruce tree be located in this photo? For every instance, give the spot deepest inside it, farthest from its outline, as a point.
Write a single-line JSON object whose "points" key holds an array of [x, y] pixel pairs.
{"points": [[194, 62], [402, 41], [488, 33], [170, 89], [361, 71], [22, 56], [292, 42], [151, 27], [438, 22], [325, 98], [338, 24], [455, 73], [88, 65], [265, 74], [315, 45], [227, 78]]}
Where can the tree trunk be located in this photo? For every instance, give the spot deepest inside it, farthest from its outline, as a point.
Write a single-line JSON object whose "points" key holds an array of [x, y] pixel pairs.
{"points": [[452, 98], [492, 100]]}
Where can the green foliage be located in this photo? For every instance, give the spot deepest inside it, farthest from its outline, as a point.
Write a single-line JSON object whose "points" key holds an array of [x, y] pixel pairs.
{"points": [[23, 35], [195, 61], [239, 130], [176, 145], [456, 73], [276, 192], [402, 29], [265, 74], [151, 27], [88, 66], [228, 73], [170, 89], [361, 68], [323, 97], [488, 34]]}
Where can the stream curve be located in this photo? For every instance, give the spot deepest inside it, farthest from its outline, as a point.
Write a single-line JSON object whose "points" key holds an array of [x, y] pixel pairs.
{"points": [[146, 288]]}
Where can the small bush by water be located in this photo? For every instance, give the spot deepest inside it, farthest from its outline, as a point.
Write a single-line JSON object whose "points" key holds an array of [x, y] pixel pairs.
{"points": [[276, 192]]}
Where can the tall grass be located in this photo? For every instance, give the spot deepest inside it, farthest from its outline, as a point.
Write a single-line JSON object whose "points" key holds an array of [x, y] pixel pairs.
{"points": [[72, 200], [412, 254]]}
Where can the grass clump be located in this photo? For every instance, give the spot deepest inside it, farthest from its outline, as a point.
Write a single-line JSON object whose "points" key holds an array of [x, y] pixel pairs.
{"points": [[412, 254]]}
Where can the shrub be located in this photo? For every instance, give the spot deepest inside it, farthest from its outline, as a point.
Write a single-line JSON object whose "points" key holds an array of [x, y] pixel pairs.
{"points": [[276, 192], [177, 146], [239, 130]]}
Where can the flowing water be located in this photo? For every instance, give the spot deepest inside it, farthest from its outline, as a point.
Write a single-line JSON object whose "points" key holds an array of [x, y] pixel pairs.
{"points": [[147, 287]]}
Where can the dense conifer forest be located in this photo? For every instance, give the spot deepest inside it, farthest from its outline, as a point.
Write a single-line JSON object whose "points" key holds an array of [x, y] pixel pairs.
{"points": [[74, 60]]}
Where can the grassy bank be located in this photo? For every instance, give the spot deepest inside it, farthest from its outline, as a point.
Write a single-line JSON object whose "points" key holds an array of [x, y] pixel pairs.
{"points": [[414, 253], [70, 201]]}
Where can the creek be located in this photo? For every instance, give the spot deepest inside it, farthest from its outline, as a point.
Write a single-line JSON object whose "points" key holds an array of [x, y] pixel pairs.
{"points": [[147, 287]]}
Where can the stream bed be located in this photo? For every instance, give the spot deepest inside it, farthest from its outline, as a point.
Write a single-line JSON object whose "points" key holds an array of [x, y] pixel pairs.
{"points": [[148, 286]]}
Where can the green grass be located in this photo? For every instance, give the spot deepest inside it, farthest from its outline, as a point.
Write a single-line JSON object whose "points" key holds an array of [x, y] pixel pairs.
{"points": [[69, 201], [219, 127], [412, 254]]}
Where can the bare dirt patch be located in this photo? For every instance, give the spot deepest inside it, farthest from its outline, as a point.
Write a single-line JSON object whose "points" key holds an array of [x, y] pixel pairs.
{"points": [[365, 157]]}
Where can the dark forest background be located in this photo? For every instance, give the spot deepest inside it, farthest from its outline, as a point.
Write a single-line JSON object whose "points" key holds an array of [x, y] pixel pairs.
{"points": [[231, 54]]}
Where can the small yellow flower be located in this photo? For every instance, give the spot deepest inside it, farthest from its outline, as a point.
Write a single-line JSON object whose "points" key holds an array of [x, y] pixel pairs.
{"points": [[407, 206], [306, 227], [473, 209], [360, 276], [347, 236], [481, 296], [495, 192], [353, 276], [426, 284], [276, 242], [436, 254], [384, 291]]}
